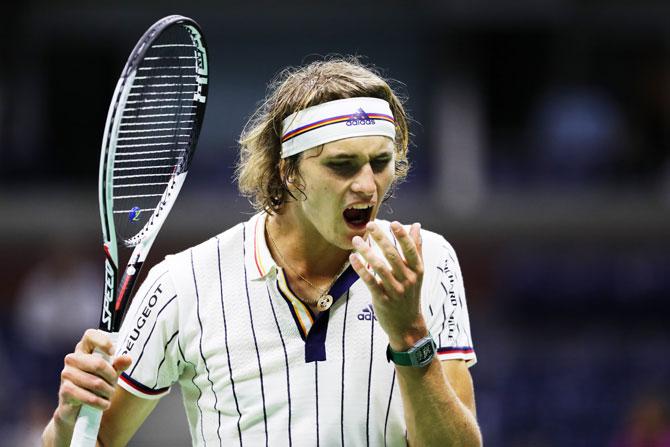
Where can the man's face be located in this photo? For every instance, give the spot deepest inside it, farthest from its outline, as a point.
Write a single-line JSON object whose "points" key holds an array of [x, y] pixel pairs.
{"points": [[345, 185]]}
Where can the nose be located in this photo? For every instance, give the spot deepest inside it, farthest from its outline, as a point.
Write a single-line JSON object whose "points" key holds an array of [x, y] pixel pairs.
{"points": [[364, 182]]}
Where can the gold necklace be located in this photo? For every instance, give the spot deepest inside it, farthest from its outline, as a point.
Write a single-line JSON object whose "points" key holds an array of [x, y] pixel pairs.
{"points": [[325, 300]]}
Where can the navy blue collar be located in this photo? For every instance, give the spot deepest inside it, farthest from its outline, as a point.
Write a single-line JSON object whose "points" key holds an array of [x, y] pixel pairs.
{"points": [[315, 344]]}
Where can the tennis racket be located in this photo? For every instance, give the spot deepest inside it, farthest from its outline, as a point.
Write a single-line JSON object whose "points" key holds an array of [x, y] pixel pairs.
{"points": [[150, 136]]}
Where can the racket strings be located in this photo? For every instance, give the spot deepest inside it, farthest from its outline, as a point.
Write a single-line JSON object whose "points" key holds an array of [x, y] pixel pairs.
{"points": [[156, 131]]}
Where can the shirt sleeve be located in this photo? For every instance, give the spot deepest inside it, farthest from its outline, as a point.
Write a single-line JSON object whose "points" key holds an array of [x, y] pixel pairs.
{"points": [[445, 304], [149, 335]]}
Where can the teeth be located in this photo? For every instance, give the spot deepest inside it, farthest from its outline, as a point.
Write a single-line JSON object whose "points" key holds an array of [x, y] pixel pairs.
{"points": [[361, 207]]}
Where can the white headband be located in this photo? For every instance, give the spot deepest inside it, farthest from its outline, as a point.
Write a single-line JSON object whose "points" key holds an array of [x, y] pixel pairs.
{"points": [[335, 120]]}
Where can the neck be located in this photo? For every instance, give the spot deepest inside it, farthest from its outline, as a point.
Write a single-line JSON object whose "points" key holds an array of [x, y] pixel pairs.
{"points": [[302, 247]]}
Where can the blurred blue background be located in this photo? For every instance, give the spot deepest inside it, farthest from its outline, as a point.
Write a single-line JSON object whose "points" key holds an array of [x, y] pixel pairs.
{"points": [[541, 151]]}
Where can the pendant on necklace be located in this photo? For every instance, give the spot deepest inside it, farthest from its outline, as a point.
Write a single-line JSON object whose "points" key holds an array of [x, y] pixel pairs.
{"points": [[324, 303]]}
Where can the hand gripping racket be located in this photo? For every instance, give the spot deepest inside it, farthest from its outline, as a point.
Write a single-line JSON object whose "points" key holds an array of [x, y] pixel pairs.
{"points": [[150, 136]]}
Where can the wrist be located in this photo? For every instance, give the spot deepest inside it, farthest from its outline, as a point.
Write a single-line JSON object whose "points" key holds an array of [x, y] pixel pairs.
{"points": [[64, 418], [420, 355], [59, 430], [408, 338]]}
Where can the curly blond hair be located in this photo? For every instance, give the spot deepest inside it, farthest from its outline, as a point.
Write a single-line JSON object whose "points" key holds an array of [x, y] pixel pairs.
{"points": [[261, 174]]}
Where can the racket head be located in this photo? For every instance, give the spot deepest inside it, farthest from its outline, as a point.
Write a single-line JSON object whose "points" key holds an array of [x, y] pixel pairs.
{"points": [[152, 129]]}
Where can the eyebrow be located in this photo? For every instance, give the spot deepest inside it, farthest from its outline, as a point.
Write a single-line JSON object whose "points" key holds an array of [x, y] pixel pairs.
{"points": [[341, 157], [354, 156]]}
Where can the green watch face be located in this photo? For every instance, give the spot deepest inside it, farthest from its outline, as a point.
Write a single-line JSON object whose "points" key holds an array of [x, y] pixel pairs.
{"points": [[425, 352]]}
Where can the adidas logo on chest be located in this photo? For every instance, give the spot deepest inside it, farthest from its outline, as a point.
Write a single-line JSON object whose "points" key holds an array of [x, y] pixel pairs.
{"points": [[367, 314]]}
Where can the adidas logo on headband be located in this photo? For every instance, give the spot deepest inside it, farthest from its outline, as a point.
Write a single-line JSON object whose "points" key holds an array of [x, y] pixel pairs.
{"points": [[359, 118]]}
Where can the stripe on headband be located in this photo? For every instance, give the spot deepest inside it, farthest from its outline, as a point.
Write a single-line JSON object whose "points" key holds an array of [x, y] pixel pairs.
{"points": [[335, 120]]}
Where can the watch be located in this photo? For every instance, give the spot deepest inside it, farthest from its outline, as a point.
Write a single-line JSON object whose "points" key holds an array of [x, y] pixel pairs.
{"points": [[419, 355]]}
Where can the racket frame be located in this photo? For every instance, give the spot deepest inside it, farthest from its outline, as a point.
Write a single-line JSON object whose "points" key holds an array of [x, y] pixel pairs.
{"points": [[86, 428], [116, 296]]}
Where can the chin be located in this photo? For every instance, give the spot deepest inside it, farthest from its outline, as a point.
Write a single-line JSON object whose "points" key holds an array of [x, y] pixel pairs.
{"points": [[344, 242]]}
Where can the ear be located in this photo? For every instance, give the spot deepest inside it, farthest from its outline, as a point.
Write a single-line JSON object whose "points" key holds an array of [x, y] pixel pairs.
{"points": [[282, 166], [287, 177]]}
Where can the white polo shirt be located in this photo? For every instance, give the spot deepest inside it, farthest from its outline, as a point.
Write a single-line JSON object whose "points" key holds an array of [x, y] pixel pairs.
{"points": [[256, 367]]}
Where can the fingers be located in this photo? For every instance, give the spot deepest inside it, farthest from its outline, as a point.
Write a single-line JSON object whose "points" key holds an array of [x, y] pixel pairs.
{"points": [[93, 339], [366, 275], [92, 364], [411, 244], [391, 273], [386, 276], [89, 382], [389, 250], [71, 394], [88, 378]]}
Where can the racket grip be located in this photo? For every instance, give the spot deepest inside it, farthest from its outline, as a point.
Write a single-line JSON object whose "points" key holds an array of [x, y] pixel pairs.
{"points": [[85, 433], [86, 428]]}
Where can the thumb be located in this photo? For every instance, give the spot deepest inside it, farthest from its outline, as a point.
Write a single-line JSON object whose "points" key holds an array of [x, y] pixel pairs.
{"points": [[122, 363]]}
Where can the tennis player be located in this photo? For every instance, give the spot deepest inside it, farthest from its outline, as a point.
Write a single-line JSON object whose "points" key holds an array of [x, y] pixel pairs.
{"points": [[312, 323]]}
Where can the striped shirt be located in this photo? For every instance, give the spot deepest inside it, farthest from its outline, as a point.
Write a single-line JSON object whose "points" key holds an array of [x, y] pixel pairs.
{"points": [[256, 367]]}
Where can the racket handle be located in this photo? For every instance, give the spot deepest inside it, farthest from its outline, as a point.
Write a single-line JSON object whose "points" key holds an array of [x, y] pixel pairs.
{"points": [[86, 428], [85, 433]]}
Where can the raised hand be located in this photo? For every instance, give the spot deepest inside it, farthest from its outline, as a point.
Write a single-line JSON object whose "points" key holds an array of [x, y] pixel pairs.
{"points": [[394, 282]]}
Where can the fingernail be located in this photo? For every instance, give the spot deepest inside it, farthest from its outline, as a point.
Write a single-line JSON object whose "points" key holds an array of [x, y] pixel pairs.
{"points": [[357, 241]]}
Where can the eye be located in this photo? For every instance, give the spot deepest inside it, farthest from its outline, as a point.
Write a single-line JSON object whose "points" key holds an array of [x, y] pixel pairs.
{"points": [[343, 168], [379, 164]]}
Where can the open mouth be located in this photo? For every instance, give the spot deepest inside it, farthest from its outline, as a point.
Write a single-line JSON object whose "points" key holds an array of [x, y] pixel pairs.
{"points": [[358, 216]]}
